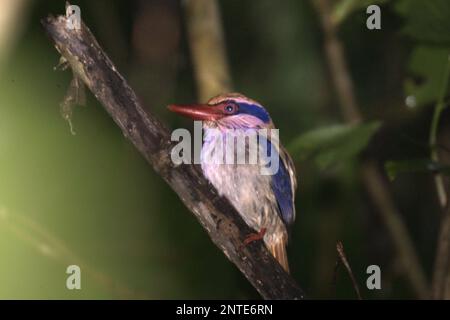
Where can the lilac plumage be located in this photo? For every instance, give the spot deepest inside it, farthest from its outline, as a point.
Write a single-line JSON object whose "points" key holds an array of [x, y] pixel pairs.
{"points": [[265, 201]]}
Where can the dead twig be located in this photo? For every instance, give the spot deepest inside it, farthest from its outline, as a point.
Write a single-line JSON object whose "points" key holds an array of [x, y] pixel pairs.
{"points": [[343, 258]]}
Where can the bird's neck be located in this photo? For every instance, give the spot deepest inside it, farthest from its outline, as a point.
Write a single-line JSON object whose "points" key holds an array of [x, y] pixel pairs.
{"points": [[236, 145]]}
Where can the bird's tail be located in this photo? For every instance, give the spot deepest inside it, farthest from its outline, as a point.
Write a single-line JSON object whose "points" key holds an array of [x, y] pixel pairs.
{"points": [[278, 249]]}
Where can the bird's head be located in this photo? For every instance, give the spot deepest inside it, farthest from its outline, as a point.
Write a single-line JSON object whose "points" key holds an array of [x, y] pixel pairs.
{"points": [[232, 110]]}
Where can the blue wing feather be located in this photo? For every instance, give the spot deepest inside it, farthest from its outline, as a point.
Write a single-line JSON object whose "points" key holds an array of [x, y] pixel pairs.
{"points": [[282, 188], [281, 185]]}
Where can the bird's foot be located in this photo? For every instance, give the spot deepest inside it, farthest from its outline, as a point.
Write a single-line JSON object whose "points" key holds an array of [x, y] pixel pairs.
{"points": [[255, 236]]}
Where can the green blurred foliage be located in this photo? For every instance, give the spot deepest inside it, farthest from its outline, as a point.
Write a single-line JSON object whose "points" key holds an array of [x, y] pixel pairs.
{"points": [[426, 66], [394, 168], [426, 21], [331, 145], [344, 8], [429, 67]]}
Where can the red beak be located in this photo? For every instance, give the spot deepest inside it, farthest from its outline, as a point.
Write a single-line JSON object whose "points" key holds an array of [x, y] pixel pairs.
{"points": [[198, 111]]}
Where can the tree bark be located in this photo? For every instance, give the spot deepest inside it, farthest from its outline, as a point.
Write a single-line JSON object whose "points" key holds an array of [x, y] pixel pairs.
{"points": [[220, 219]]}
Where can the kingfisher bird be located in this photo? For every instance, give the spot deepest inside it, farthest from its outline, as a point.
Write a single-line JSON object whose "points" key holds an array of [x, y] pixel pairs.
{"points": [[265, 202]]}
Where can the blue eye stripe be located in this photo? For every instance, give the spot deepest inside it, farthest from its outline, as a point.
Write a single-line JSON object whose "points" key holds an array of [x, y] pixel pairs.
{"points": [[255, 111]]}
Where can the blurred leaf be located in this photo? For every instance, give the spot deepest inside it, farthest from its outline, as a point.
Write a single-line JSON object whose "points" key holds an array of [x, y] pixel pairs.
{"points": [[393, 168], [332, 144], [344, 8], [426, 20], [427, 65]]}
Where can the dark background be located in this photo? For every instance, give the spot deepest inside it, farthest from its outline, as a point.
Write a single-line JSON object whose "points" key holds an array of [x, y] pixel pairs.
{"points": [[90, 199]]}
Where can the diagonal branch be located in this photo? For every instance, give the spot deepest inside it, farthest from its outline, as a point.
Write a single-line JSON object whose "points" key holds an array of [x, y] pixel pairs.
{"points": [[219, 218]]}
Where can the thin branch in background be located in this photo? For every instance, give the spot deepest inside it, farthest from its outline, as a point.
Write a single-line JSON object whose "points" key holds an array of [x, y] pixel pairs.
{"points": [[440, 106], [220, 219], [372, 177], [334, 279], [441, 274], [343, 258], [208, 50]]}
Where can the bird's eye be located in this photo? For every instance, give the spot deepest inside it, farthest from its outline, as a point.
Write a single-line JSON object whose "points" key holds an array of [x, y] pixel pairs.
{"points": [[230, 108]]}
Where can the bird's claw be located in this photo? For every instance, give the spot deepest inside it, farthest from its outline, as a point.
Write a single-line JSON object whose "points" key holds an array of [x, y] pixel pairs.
{"points": [[254, 237]]}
